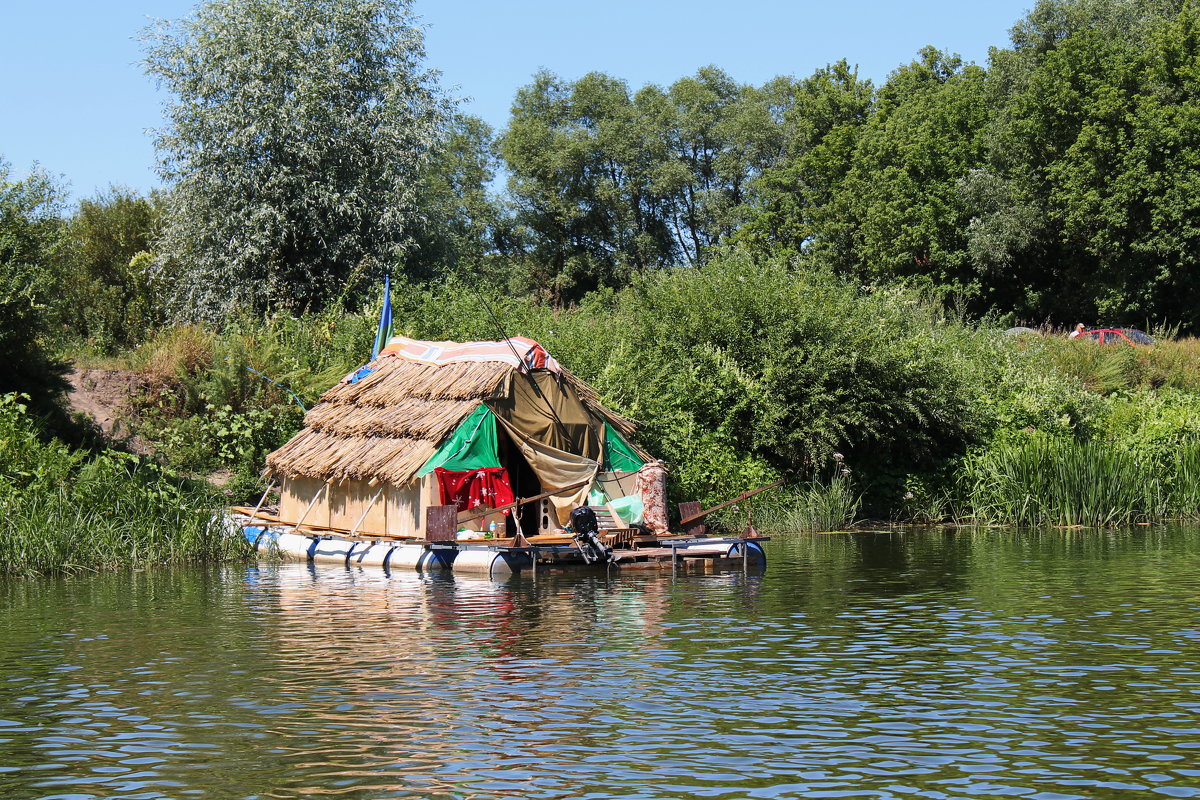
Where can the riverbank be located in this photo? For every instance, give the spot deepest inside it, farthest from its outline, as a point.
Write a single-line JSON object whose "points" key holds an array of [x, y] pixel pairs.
{"points": [[73, 510], [872, 403]]}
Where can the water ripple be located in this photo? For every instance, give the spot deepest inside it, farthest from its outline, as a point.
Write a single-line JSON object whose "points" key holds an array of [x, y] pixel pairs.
{"points": [[1036, 665]]}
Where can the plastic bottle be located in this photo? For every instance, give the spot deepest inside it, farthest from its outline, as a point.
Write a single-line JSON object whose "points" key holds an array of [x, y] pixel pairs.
{"points": [[492, 530]]}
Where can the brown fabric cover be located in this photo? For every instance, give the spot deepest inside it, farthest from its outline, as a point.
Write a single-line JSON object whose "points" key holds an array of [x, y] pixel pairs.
{"points": [[556, 469], [563, 447], [527, 410]]}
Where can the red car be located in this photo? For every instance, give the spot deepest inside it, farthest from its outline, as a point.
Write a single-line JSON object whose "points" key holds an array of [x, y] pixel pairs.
{"points": [[1117, 336]]}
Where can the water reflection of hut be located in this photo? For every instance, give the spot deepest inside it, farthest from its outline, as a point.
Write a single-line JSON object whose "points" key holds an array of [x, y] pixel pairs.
{"points": [[474, 424]]}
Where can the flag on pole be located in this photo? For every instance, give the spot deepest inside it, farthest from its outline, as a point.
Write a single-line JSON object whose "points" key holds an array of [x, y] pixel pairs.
{"points": [[385, 319]]}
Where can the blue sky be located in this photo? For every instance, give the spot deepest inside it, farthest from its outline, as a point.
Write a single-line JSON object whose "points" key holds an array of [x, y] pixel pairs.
{"points": [[74, 99]]}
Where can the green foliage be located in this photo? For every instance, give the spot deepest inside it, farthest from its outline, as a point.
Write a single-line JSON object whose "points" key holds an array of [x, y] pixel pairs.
{"points": [[69, 510], [225, 401], [607, 184], [461, 222], [740, 372], [821, 123], [811, 506], [1057, 184], [30, 231], [221, 437], [872, 187], [778, 369], [294, 144], [109, 294], [1046, 480], [1075, 457]]}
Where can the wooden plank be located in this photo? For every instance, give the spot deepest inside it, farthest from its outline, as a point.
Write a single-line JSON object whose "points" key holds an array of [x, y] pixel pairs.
{"points": [[551, 538], [691, 518], [261, 516], [697, 513], [309, 530], [441, 523]]}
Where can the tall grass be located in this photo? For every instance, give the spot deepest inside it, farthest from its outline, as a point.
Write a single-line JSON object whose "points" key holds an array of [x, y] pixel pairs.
{"points": [[1184, 496], [1047, 480], [69, 510], [1168, 363], [812, 506]]}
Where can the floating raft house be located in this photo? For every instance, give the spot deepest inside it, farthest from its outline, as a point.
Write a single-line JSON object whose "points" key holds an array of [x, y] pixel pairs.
{"points": [[489, 457]]}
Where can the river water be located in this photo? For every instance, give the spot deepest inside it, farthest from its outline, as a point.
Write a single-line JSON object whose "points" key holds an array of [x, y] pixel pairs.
{"points": [[1036, 664]]}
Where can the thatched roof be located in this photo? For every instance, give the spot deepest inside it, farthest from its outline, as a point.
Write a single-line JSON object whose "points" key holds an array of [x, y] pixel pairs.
{"points": [[388, 424]]}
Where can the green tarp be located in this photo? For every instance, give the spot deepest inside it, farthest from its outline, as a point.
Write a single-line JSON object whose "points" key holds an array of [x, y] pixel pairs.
{"points": [[471, 446], [618, 455]]}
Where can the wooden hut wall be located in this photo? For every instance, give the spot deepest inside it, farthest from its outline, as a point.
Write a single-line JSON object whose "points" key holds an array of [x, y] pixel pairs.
{"points": [[349, 499], [406, 508], [399, 511], [294, 496]]}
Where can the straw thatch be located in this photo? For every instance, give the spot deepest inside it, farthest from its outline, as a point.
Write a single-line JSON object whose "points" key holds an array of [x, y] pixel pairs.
{"points": [[388, 424]]}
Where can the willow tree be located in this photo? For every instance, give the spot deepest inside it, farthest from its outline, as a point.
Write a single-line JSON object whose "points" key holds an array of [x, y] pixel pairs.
{"points": [[295, 135]]}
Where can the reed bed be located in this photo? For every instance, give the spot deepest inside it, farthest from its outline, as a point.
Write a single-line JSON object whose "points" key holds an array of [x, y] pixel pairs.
{"points": [[1046, 480], [811, 506], [52, 532], [69, 510]]}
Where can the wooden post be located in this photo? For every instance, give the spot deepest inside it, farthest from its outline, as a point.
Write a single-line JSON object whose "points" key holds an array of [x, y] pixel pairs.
{"points": [[441, 523], [324, 489], [366, 511], [262, 500]]}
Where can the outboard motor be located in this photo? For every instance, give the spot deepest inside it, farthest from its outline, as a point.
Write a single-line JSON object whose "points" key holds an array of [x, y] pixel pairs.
{"points": [[586, 532]]}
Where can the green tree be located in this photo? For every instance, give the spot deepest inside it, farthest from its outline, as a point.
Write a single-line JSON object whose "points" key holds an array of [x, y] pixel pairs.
{"points": [[580, 158], [1095, 141], [609, 185], [717, 137], [30, 231], [923, 137], [820, 124], [462, 222], [295, 140], [108, 293]]}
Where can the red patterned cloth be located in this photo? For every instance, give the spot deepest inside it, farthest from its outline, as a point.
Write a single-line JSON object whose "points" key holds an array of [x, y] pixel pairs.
{"points": [[478, 487]]}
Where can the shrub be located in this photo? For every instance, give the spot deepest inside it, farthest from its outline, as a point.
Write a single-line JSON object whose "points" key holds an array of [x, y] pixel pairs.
{"points": [[743, 371]]}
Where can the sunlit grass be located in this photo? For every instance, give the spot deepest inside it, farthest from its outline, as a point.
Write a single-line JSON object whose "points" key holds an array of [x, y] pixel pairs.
{"points": [[70, 510], [811, 506], [1044, 480]]}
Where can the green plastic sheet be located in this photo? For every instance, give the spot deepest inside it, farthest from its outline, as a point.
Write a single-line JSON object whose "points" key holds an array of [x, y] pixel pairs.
{"points": [[472, 445], [629, 508], [618, 455]]}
